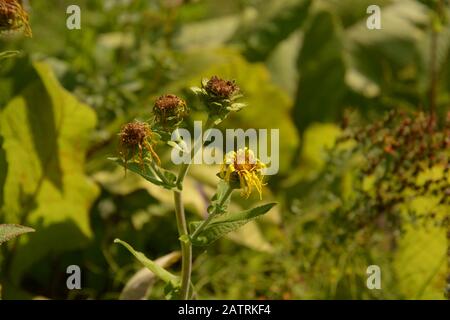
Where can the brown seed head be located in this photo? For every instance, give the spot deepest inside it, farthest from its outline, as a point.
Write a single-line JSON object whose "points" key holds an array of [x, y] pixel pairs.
{"points": [[168, 103], [221, 88], [170, 110], [13, 16], [133, 134]]}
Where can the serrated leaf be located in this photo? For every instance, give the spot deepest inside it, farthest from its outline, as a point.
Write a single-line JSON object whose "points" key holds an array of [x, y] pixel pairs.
{"points": [[10, 231], [159, 271], [223, 224]]}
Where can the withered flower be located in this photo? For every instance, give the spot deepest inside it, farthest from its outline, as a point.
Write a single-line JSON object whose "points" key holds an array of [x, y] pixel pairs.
{"points": [[136, 139], [219, 96], [14, 17], [224, 89], [242, 170], [170, 111]]}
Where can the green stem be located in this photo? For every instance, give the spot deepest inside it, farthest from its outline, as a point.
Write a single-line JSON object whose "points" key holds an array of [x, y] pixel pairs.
{"points": [[186, 246], [205, 223], [185, 166]]}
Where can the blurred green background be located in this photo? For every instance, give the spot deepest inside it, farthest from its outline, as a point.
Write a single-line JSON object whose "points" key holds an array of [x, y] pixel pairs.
{"points": [[309, 68]]}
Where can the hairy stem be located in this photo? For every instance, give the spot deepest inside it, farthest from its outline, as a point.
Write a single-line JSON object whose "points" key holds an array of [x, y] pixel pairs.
{"points": [[186, 246]]}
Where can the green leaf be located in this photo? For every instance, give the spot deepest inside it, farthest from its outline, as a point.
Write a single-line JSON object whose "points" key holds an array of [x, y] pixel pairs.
{"points": [[262, 38], [45, 132], [10, 231], [321, 88], [8, 54], [377, 60], [148, 174], [159, 271], [222, 188], [139, 285], [421, 253], [226, 223]]}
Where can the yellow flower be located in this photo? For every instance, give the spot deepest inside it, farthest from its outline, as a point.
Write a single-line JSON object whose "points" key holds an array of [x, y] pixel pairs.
{"points": [[242, 170]]}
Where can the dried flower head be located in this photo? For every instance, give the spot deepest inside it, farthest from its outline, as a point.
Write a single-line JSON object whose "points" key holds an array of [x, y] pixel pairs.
{"points": [[224, 89], [13, 17], [170, 111], [242, 170], [219, 96], [136, 139]]}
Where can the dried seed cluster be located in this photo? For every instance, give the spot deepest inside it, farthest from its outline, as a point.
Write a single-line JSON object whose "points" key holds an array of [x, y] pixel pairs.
{"points": [[136, 139], [13, 17], [224, 89], [400, 148], [169, 111], [219, 96]]}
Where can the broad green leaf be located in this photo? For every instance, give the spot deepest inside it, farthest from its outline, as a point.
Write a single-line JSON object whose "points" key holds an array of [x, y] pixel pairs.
{"points": [[45, 133], [147, 173], [159, 271], [207, 33], [223, 224], [321, 88], [10, 231], [282, 63], [420, 260], [267, 32], [378, 61]]}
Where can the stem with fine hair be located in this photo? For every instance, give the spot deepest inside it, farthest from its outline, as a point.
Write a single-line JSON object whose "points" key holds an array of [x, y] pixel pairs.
{"points": [[186, 246]]}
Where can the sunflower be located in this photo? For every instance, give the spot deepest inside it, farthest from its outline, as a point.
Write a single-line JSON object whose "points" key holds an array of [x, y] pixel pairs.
{"points": [[242, 170]]}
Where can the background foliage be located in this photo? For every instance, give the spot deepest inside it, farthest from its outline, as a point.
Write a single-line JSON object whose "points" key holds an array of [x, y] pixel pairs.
{"points": [[308, 67]]}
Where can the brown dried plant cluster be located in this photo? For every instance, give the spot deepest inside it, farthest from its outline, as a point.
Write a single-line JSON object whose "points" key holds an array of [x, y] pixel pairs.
{"points": [[13, 17]]}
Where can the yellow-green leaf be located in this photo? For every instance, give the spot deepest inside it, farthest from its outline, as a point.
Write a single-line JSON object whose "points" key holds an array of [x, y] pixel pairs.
{"points": [[45, 132]]}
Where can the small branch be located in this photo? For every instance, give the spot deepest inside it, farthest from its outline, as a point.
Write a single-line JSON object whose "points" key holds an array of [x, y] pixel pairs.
{"points": [[205, 223]]}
